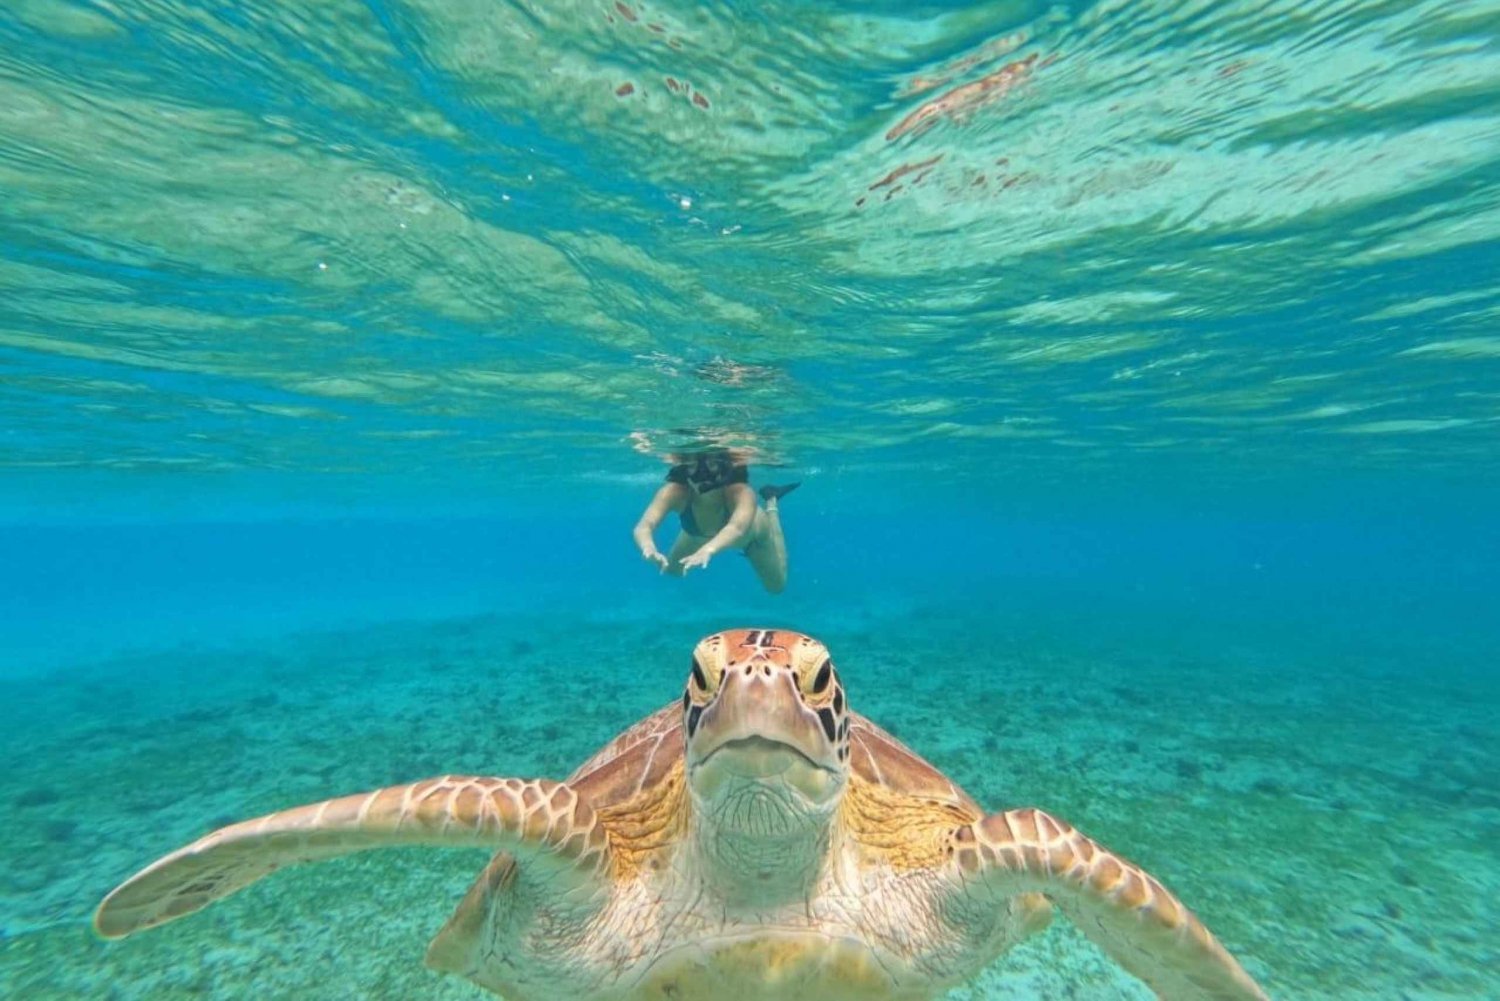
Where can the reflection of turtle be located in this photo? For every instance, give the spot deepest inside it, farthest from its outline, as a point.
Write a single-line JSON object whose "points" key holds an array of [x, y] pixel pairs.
{"points": [[755, 841]]}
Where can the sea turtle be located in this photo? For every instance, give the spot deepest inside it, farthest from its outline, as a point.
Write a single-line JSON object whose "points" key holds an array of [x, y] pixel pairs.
{"points": [[753, 840]]}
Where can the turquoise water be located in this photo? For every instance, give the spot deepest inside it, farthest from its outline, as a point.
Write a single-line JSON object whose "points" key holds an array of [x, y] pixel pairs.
{"points": [[1140, 362]]}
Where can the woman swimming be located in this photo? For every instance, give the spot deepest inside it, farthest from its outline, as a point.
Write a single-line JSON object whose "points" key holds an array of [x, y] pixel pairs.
{"points": [[710, 492]]}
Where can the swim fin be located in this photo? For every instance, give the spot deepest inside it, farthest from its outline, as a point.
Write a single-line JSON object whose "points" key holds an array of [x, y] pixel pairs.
{"points": [[769, 492]]}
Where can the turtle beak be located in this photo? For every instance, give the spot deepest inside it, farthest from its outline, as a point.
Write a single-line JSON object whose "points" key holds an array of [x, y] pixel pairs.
{"points": [[759, 715]]}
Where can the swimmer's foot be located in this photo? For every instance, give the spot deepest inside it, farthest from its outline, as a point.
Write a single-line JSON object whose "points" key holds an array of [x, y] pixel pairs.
{"points": [[770, 493]]}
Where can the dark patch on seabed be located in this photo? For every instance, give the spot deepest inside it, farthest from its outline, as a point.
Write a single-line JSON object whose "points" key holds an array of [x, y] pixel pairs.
{"points": [[1335, 823]]}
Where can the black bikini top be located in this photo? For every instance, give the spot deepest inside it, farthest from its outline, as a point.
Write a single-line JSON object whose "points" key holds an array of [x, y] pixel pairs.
{"points": [[709, 472]]}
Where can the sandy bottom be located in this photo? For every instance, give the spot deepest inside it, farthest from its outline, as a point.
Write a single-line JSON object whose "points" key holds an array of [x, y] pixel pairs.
{"points": [[1336, 822]]}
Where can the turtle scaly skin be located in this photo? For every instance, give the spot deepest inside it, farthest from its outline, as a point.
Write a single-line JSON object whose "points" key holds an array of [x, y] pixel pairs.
{"points": [[754, 840]]}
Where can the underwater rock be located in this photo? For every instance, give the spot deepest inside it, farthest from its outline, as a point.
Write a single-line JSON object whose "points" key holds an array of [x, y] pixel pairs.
{"points": [[59, 831], [38, 796]]}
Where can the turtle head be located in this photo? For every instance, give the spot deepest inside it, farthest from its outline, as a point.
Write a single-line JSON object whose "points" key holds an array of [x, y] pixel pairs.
{"points": [[766, 728]]}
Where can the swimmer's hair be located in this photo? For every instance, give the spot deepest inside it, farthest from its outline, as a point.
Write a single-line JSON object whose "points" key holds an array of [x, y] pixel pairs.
{"points": [[739, 456]]}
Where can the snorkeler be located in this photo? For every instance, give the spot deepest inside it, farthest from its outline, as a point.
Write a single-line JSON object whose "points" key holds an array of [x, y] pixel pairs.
{"points": [[710, 492]]}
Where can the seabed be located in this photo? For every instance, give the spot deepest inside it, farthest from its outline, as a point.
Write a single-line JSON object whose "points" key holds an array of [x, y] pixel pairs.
{"points": [[1337, 824]]}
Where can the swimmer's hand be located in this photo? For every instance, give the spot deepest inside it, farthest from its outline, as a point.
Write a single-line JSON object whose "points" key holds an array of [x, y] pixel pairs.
{"points": [[652, 556], [698, 559]]}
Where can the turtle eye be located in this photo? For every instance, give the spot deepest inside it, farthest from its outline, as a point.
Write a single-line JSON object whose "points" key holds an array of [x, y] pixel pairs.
{"points": [[823, 677], [698, 677]]}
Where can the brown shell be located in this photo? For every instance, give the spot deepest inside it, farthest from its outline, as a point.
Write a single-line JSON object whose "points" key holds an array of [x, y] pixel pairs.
{"points": [[882, 760], [644, 754]]}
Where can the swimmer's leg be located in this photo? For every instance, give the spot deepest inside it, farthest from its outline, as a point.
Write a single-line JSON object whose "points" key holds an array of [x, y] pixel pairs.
{"points": [[685, 545], [768, 552]]}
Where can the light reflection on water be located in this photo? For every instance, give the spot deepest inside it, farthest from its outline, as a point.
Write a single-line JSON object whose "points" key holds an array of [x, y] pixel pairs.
{"points": [[535, 239]]}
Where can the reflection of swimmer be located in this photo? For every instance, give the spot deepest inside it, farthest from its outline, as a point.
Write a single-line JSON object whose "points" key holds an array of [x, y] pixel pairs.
{"points": [[710, 492]]}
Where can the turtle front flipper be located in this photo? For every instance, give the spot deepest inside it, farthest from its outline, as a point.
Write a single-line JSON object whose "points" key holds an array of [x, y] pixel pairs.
{"points": [[542, 823], [1123, 909]]}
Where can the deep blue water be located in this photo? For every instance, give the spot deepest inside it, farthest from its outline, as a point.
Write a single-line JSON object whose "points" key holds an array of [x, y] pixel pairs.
{"points": [[1362, 570]]}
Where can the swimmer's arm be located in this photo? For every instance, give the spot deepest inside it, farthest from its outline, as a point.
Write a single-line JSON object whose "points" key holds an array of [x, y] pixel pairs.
{"points": [[740, 520], [669, 498]]}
